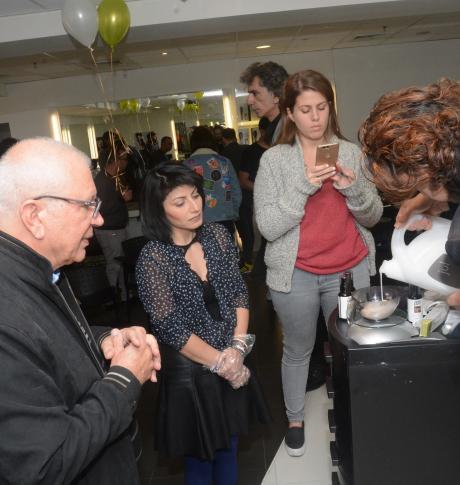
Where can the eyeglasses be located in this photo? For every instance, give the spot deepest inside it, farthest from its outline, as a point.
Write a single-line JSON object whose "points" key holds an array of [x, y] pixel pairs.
{"points": [[96, 203]]}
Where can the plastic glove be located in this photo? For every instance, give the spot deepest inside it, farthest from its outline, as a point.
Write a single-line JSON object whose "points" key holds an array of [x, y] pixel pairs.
{"points": [[230, 363], [241, 379]]}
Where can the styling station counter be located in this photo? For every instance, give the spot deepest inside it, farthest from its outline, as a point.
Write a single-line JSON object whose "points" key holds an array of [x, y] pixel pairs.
{"points": [[396, 410]]}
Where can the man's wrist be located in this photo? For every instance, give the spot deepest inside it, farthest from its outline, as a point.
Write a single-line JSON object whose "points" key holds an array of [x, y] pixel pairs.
{"points": [[126, 382]]}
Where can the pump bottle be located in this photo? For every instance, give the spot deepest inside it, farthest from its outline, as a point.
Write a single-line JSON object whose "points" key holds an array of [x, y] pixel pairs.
{"points": [[346, 289], [414, 305]]}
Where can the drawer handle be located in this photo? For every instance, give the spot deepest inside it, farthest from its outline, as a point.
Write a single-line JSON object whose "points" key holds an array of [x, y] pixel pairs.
{"points": [[334, 454], [331, 419], [329, 387]]}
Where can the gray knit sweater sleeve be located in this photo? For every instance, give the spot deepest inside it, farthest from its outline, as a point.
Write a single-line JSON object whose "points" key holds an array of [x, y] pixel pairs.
{"points": [[281, 190], [362, 197]]}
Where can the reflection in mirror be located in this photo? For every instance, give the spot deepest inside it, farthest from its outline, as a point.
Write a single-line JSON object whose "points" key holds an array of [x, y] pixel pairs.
{"points": [[170, 115]]}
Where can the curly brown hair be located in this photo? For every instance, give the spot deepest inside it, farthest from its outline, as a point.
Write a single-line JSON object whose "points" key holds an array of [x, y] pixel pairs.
{"points": [[412, 137]]}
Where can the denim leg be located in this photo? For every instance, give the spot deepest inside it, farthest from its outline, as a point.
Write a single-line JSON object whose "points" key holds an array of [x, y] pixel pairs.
{"points": [[225, 465], [361, 277], [197, 472], [298, 311]]}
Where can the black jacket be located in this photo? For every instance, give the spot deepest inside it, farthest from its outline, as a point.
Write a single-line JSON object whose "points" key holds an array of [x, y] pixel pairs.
{"points": [[63, 420], [113, 208]]}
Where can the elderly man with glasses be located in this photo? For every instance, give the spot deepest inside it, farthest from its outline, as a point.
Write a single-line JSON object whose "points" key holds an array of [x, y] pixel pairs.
{"points": [[67, 392]]}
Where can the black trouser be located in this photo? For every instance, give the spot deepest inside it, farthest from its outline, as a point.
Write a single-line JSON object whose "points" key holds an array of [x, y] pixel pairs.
{"points": [[259, 271], [246, 229]]}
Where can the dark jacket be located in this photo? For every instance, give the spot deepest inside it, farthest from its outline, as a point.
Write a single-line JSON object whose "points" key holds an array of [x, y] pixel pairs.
{"points": [[63, 420], [113, 208], [234, 151]]}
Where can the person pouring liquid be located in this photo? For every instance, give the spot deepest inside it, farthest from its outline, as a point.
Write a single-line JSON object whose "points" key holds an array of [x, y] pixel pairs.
{"points": [[411, 139]]}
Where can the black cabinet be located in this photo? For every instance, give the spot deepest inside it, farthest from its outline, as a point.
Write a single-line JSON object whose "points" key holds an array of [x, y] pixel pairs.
{"points": [[396, 410]]}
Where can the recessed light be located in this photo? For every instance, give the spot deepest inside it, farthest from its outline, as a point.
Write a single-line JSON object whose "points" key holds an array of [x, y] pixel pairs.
{"points": [[164, 53], [157, 107], [263, 46]]}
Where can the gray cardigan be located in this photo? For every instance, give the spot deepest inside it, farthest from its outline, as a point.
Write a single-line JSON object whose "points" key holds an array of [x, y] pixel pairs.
{"points": [[281, 191]]}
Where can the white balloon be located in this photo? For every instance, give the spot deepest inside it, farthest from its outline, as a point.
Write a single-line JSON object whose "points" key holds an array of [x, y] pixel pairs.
{"points": [[79, 18], [181, 104], [144, 102]]}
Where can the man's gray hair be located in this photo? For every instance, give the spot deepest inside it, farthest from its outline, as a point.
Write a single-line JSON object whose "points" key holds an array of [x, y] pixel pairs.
{"points": [[34, 167]]}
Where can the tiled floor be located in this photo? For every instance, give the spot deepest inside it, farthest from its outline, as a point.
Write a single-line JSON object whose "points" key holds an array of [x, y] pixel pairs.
{"points": [[315, 467], [261, 459]]}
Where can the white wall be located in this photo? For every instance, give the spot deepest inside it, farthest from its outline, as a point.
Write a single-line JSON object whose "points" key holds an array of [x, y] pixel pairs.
{"points": [[28, 123], [361, 75]]}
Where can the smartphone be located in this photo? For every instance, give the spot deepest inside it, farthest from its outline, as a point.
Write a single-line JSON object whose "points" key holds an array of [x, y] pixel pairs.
{"points": [[327, 154]]}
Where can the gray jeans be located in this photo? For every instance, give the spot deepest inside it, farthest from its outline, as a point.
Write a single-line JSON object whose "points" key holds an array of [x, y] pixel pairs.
{"points": [[110, 242], [298, 311]]}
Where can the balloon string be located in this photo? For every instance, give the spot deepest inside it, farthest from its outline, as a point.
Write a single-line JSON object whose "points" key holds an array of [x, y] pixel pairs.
{"points": [[146, 113], [139, 127], [114, 133], [101, 86]]}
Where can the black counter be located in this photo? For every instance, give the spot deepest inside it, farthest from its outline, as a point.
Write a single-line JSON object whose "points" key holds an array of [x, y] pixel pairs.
{"points": [[396, 410]]}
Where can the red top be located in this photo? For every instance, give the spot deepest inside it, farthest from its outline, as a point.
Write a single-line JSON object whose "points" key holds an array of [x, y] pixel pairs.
{"points": [[329, 240]]}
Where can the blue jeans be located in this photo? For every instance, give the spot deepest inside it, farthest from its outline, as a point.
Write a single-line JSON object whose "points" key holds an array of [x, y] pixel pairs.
{"points": [[298, 311], [222, 470]]}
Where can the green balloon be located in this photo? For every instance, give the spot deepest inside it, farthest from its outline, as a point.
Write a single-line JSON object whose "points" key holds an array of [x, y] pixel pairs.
{"points": [[114, 21]]}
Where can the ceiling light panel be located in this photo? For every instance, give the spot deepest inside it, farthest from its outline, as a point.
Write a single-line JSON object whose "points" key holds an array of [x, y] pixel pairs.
{"points": [[277, 45]]}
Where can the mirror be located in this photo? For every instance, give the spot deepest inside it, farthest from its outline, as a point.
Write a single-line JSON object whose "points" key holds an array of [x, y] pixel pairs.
{"points": [[167, 115]]}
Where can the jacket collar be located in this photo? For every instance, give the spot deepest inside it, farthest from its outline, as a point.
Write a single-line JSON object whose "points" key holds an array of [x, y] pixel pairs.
{"points": [[25, 255]]}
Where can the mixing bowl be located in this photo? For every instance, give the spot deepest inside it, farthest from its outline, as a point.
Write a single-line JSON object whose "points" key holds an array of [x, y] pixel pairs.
{"points": [[370, 304]]}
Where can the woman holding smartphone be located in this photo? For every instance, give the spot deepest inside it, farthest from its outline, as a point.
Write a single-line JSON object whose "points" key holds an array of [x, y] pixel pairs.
{"points": [[315, 218]]}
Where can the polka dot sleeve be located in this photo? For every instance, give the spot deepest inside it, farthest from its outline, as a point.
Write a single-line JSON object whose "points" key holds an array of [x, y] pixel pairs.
{"points": [[172, 295]]}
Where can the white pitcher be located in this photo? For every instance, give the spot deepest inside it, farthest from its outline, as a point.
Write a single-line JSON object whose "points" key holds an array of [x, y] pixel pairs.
{"points": [[423, 262]]}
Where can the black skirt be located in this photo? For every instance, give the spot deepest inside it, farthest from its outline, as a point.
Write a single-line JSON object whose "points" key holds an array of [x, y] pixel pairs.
{"points": [[198, 411]]}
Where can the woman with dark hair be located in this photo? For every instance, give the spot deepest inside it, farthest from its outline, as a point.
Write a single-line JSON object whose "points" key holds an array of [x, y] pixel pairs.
{"points": [[412, 142], [222, 193], [197, 302], [315, 220]]}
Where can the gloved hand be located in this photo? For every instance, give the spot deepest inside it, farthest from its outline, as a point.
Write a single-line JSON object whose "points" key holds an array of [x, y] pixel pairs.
{"points": [[230, 363], [241, 379]]}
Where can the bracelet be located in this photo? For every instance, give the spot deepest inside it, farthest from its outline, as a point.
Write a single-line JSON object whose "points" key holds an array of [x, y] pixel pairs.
{"points": [[243, 343]]}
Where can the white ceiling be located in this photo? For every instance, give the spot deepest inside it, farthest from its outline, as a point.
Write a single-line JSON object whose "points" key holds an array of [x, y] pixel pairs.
{"points": [[195, 31]]}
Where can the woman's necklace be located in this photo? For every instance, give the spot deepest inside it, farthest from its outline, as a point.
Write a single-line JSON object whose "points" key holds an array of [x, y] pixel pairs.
{"points": [[185, 247]]}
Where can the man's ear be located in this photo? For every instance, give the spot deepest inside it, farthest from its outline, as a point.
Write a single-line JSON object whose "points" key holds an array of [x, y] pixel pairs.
{"points": [[31, 214], [276, 99]]}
